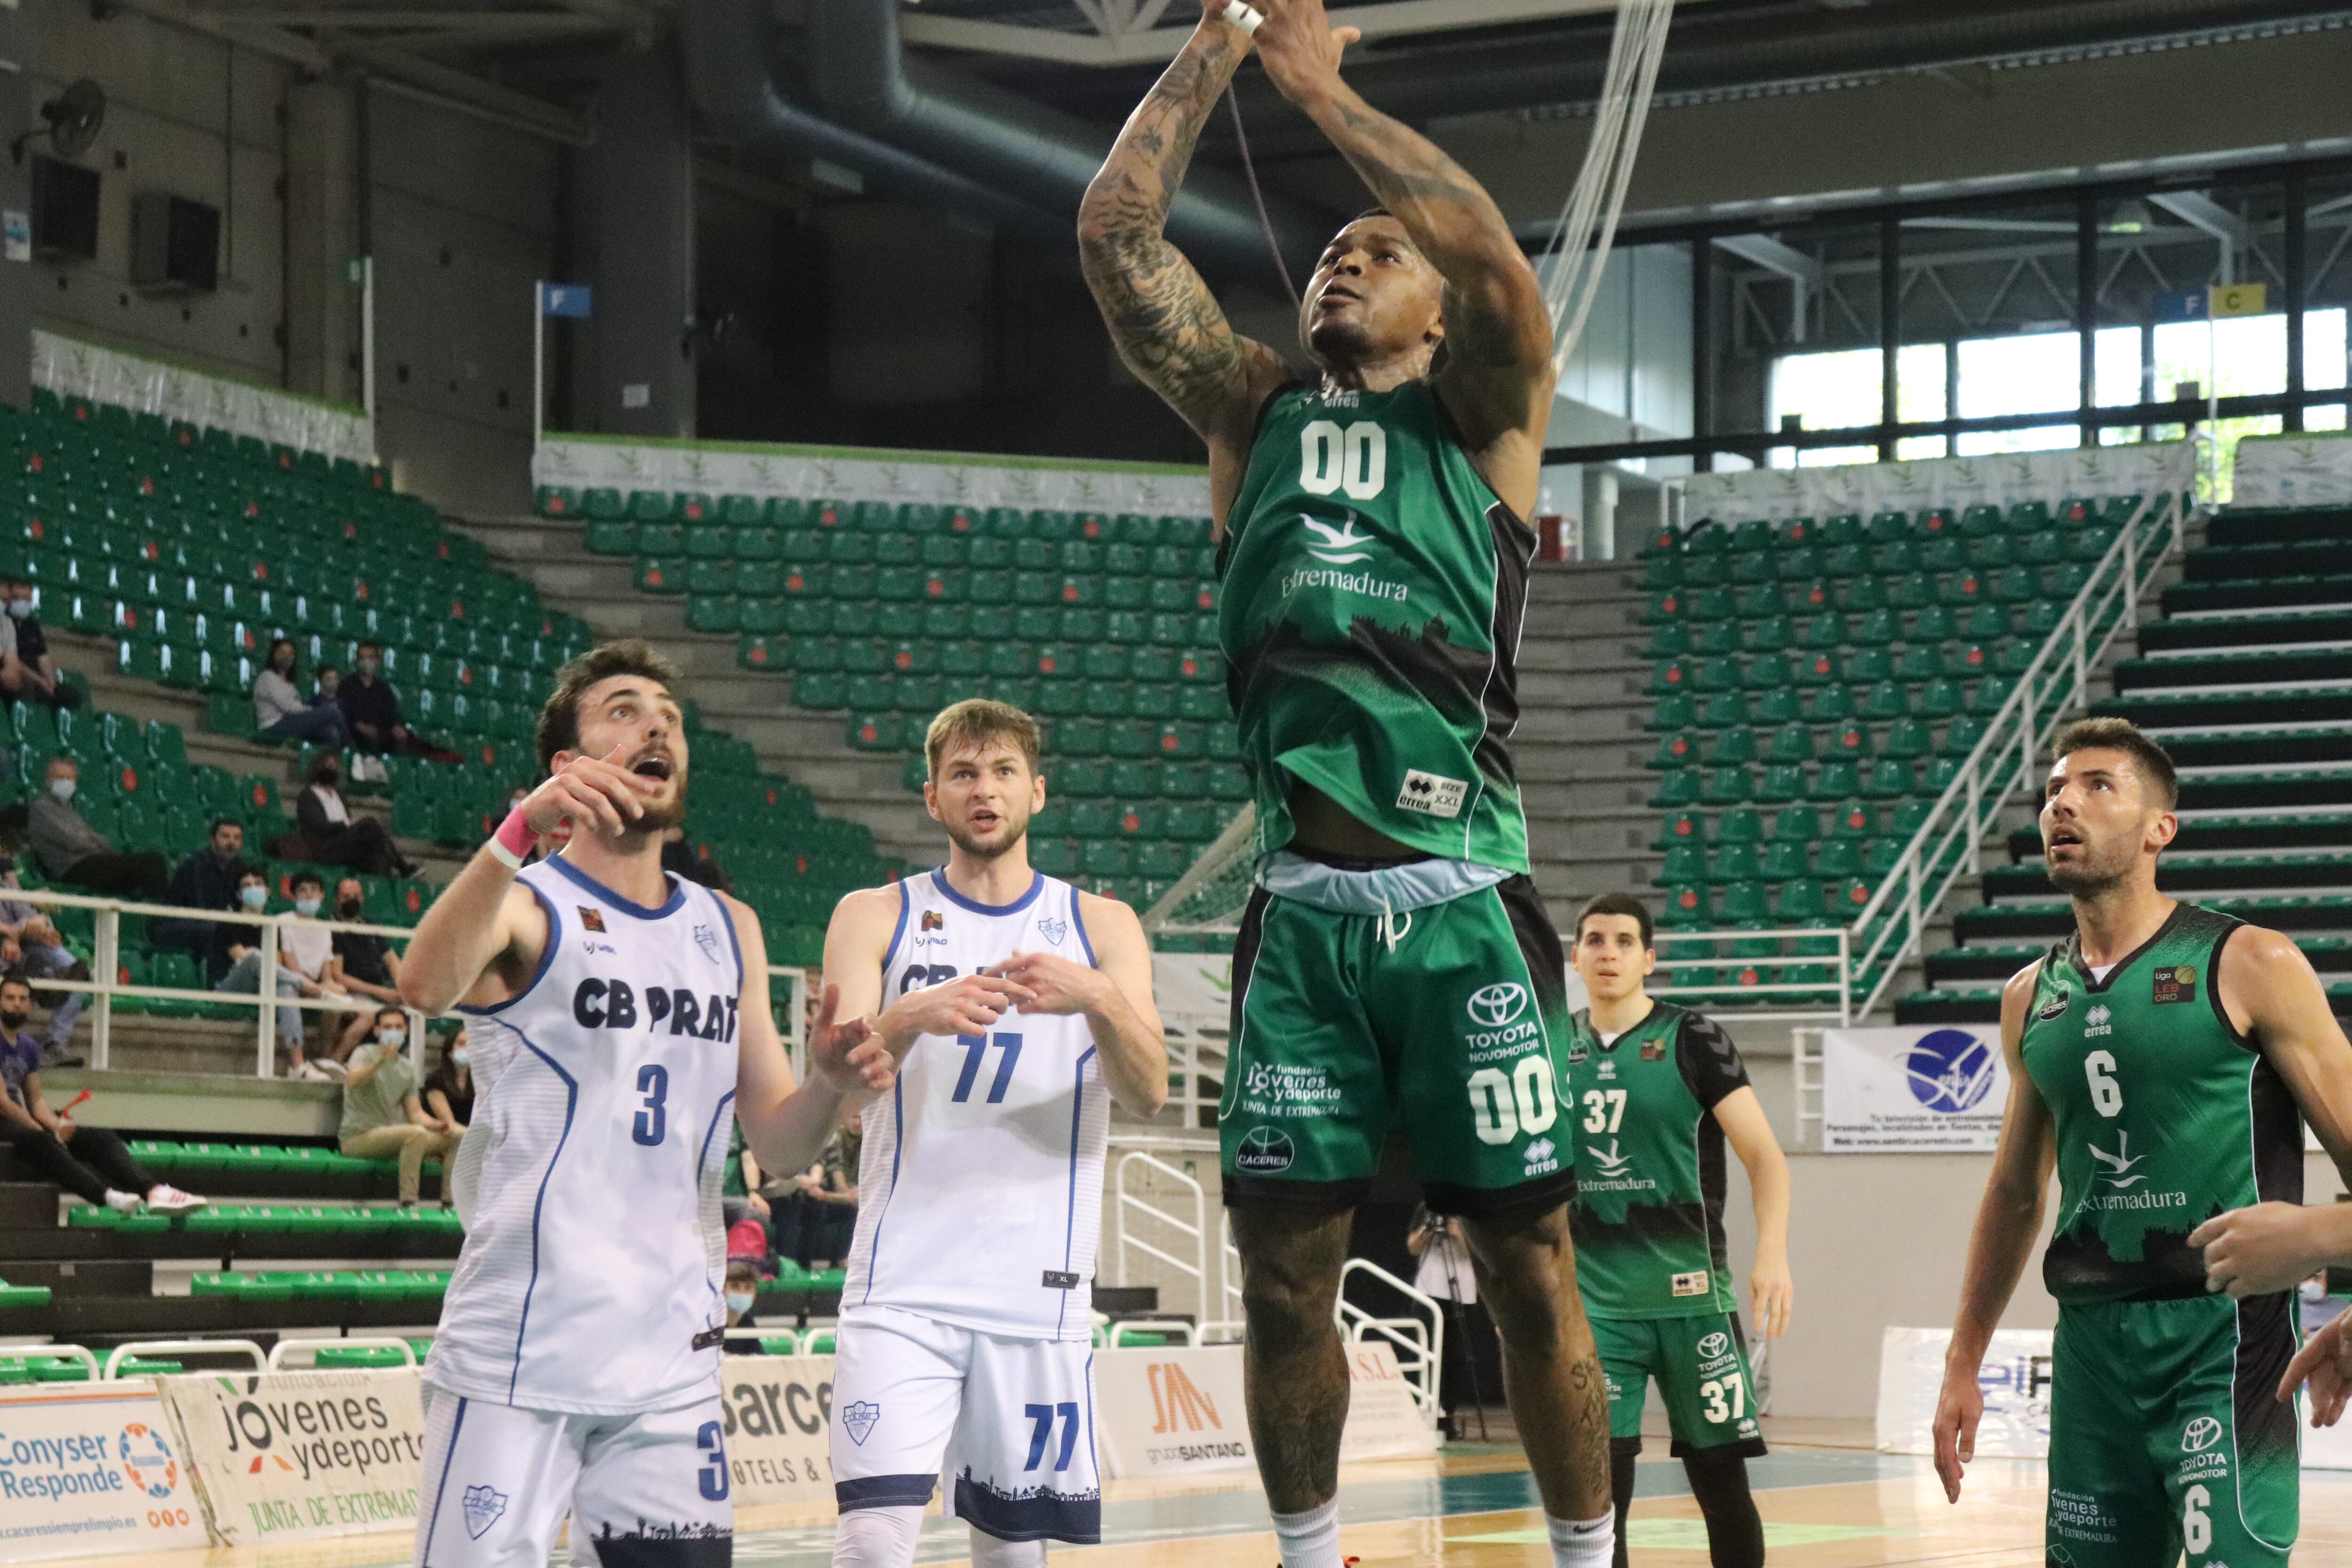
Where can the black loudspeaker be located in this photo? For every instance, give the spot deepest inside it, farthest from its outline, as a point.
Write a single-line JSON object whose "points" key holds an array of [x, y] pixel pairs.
{"points": [[174, 244], [64, 210]]}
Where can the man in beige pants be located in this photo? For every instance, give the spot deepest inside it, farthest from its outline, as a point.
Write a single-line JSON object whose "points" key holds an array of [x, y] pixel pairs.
{"points": [[382, 1118]]}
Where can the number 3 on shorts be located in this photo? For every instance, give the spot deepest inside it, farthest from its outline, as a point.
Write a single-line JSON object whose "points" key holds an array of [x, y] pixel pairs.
{"points": [[1502, 1108]]}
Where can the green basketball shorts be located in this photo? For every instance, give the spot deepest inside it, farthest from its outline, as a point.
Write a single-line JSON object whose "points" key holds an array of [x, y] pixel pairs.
{"points": [[2164, 1435], [1454, 1036], [1701, 1366]]}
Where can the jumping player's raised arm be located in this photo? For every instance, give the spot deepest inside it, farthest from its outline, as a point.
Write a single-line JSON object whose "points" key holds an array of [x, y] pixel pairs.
{"points": [[2274, 998], [1495, 375], [1115, 996], [1166, 325], [2008, 1219], [481, 940]]}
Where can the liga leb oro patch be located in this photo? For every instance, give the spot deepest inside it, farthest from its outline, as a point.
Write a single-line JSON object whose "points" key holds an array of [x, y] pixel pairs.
{"points": [[591, 920], [2177, 983], [1653, 1050]]}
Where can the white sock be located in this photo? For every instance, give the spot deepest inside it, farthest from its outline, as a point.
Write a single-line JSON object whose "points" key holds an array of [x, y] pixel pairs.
{"points": [[876, 1537], [987, 1552], [1582, 1543], [1310, 1539]]}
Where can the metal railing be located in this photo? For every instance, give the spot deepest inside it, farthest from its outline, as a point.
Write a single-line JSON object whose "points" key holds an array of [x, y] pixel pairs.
{"points": [[1947, 844], [103, 986], [1419, 1347], [1130, 1208]]}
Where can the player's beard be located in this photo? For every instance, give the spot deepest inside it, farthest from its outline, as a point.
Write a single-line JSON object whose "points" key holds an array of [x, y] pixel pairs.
{"points": [[659, 817], [1015, 830], [2100, 864]]}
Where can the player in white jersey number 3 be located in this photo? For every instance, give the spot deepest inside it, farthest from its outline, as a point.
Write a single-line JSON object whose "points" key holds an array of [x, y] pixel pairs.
{"points": [[1020, 1007], [620, 1018]]}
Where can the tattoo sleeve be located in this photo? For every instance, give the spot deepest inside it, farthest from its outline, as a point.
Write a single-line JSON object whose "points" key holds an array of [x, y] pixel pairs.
{"points": [[1166, 324]]}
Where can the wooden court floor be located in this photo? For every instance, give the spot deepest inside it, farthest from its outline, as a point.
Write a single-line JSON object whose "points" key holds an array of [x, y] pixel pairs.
{"points": [[1827, 1500]]}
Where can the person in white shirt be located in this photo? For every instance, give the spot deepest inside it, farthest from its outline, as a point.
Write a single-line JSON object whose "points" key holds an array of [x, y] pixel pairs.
{"points": [[279, 710]]}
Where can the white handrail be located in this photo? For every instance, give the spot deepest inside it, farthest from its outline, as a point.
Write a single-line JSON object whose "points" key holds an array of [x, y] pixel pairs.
{"points": [[1805, 1081], [1421, 1354], [1189, 1332], [279, 1351], [1197, 1229], [122, 1353]]}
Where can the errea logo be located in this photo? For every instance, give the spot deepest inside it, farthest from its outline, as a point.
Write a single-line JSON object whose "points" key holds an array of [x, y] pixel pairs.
{"points": [[2095, 1022]]}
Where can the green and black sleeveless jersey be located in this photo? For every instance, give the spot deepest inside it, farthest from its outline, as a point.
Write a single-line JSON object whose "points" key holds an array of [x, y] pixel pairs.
{"points": [[1648, 1216], [2164, 1115], [1372, 589]]}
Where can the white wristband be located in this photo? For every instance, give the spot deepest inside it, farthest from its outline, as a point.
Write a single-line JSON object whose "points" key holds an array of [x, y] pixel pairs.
{"points": [[1246, 17], [505, 857]]}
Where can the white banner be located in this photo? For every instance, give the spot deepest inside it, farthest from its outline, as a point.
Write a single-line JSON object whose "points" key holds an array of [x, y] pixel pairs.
{"points": [[1905, 1091], [1955, 483], [294, 1456], [1383, 1423], [850, 473], [1178, 1411], [89, 1468], [74, 369], [1194, 992], [2015, 1378], [2293, 470], [776, 1410]]}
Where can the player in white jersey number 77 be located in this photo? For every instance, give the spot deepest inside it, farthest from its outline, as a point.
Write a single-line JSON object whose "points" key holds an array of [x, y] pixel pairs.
{"points": [[620, 1018], [1021, 1008]]}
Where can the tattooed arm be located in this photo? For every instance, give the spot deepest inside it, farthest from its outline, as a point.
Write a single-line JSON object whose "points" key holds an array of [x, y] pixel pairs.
{"points": [[1497, 378], [1167, 325]]}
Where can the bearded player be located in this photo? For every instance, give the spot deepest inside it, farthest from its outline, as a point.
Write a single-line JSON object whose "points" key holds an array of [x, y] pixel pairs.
{"points": [[620, 1019], [1022, 1008], [1395, 969], [2159, 1058]]}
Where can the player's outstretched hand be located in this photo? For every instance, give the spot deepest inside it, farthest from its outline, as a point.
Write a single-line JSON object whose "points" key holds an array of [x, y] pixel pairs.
{"points": [[2253, 1251], [848, 1053], [594, 792], [1055, 983], [1958, 1410], [968, 1005], [2325, 1362], [1300, 47]]}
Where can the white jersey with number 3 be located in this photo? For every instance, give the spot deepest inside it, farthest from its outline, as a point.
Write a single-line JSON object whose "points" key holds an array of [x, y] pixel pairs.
{"points": [[979, 1183], [590, 1278]]}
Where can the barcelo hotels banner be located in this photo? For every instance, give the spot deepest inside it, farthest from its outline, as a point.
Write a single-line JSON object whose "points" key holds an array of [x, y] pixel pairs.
{"points": [[775, 1411], [91, 1468], [1938, 1089], [292, 1455]]}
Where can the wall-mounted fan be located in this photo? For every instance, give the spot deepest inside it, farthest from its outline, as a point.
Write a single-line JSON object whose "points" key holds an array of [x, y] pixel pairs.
{"points": [[70, 121]]}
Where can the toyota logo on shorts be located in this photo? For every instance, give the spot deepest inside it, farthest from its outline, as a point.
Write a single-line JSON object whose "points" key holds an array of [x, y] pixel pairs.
{"points": [[1496, 1005], [2199, 1434], [1714, 1345]]}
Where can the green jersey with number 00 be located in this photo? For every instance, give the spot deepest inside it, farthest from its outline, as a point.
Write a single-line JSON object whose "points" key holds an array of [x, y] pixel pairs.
{"points": [[2163, 1113], [1371, 592], [1648, 1216]]}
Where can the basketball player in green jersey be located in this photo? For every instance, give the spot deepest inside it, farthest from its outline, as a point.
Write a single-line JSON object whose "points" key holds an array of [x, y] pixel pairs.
{"points": [[2158, 1058], [1655, 1092], [1395, 969]]}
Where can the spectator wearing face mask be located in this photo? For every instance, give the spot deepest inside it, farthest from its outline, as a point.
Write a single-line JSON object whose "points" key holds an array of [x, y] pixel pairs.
{"points": [[449, 1092], [369, 966], [29, 943], [278, 707], [334, 836], [207, 880], [383, 1118], [244, 971], [27, 673], [90, 1161], [307, 948], [372, 708], [68, 850], [742, 1294]]}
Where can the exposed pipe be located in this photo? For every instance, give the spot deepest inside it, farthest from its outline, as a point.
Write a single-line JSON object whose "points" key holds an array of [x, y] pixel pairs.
{"points": [[724, 45], [863, 79]]}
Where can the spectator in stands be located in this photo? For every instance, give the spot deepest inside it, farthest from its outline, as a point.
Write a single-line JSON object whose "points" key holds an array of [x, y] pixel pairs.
{"points": [[307, 947], [742, 1294], [372, 707], [278, 709], [207, 880], [90, 1161], [449, 1091], [369, 966], [244, 973], [383, 1118], [695, 864], [68, 850], [27, 673], [336, 836], [29, 943], [820, 1216]]}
